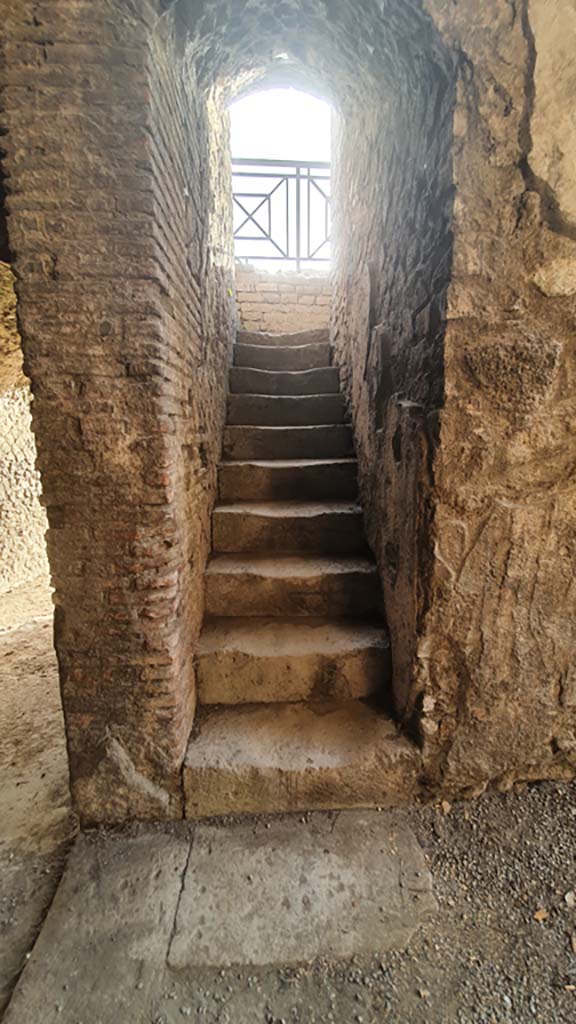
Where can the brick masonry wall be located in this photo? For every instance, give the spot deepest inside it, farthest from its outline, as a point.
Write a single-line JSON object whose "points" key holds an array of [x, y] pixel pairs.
{"points": [[126, 347], [392, 269], [279, 302]]}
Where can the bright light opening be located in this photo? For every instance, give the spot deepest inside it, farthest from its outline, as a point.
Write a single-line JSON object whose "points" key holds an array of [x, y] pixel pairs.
{"points": [[281, 146]]}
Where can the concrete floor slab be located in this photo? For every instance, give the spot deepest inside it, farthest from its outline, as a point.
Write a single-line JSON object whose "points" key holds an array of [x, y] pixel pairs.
{"points": [[292, 890]]}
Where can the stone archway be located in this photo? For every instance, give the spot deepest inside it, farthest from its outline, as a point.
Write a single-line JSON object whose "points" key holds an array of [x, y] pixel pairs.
{"points": [[120, 229]]}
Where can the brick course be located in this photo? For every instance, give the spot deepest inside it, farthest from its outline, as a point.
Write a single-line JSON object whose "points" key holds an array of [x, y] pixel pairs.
{"points": [[282, 301]]}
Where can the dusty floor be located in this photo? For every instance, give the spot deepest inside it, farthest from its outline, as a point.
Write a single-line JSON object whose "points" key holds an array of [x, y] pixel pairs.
{"points": [[36, 825], [500, 950]]}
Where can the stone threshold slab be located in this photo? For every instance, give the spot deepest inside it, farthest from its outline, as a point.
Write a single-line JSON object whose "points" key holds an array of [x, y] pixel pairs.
{"points": [[133, 907]]}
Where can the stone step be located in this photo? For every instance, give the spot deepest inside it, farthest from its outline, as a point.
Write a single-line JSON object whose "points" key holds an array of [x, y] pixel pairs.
{"points": [[331, 441], [280, 480], [285, 410], [323, 381], [269, 758], [292, 585], [268, 357], [267, 660], [317, 336], [327, 527]]}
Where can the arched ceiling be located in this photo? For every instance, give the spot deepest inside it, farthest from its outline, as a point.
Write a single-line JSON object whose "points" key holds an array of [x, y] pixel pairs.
{"points": [[344, 51]]}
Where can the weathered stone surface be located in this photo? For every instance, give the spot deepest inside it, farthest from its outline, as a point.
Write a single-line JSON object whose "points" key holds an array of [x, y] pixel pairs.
{"points": [[465, 450], [125, 304], [290, 382], [123, 928], [283, 757], [558, 276], [273, 660], [275, 584], [323, 527], [274, 357], [295, 338], [553, 121], [336, 897], [10, 352], [102, 950], [23, 521], [285, 410], [317, 442], [281, 479]]}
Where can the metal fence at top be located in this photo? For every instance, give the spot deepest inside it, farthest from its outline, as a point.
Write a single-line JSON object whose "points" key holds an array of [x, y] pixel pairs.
{"points": [[281, 210]]}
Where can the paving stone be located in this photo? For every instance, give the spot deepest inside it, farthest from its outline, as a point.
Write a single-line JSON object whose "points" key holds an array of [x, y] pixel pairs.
{"points": [[299, 890], [103, 945]]}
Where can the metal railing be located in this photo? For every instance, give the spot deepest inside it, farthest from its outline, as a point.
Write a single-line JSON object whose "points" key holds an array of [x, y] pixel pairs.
{"points": [[281, 210]]}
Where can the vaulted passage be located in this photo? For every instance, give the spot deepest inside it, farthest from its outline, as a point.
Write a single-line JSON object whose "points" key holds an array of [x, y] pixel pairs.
{"points": [[442, 404]]}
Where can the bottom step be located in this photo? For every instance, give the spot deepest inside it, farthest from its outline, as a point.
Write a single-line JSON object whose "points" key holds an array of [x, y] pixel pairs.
{"points": [[295, 757]]}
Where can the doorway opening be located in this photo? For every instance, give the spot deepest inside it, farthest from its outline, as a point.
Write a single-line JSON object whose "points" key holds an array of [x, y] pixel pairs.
{"points": [[281, 175]]}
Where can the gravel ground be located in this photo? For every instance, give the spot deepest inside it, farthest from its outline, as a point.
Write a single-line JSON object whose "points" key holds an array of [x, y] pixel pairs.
{"points": [[500, 950]]}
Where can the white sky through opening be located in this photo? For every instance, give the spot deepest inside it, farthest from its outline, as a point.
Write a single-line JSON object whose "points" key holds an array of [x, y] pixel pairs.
{"points": [[281, 124]]}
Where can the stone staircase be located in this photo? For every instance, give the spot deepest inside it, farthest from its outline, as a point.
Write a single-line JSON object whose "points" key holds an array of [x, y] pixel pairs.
{"points": [[294, 653]]}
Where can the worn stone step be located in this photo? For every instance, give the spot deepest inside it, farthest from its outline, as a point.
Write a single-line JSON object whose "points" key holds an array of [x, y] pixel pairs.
{"points": [[267, 660], [322, 381], [268, 758], [292, 585], [316, 336], [327, 527], [332, 441], [268, 357], [281, 479], [285, 410]]}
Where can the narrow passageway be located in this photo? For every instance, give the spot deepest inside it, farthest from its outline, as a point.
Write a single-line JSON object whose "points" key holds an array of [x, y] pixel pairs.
{"points": [[294, 642]]}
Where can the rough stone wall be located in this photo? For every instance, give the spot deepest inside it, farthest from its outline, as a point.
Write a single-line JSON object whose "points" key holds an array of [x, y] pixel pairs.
{"points": [[393, 201], [22, 518], [126, 347], [281, 302], [495, 662], [464, 401]]}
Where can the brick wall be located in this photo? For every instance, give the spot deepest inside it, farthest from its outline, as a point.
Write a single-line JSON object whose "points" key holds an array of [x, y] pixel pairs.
{"points": [[279, 302], [126, 345], [393, 263]]}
